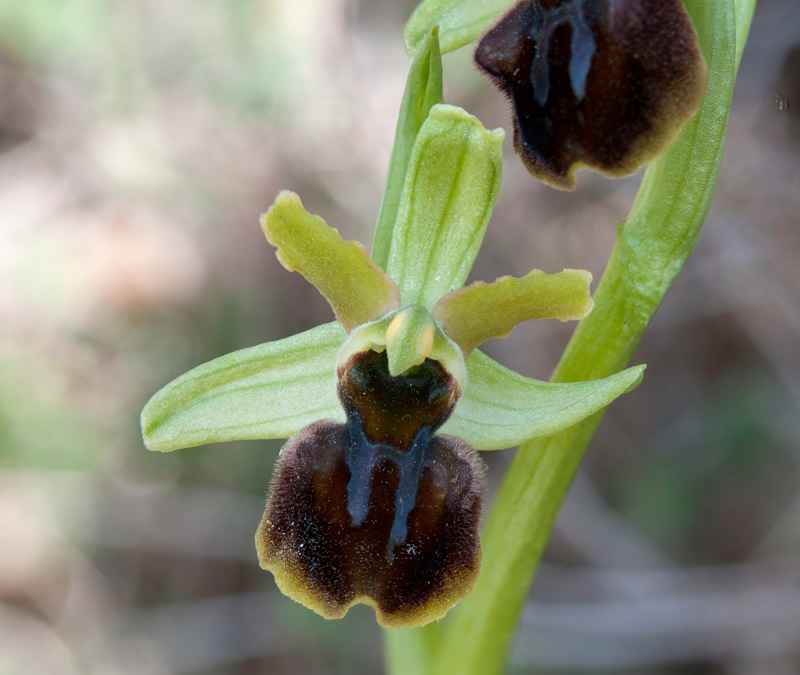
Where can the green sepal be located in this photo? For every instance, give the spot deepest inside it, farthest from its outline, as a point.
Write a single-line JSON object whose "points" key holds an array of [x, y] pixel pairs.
{"points": [[357, 289], [269, 391], [450, 189], [460, 21], [501, 409], [423, 91], [481, 311]]}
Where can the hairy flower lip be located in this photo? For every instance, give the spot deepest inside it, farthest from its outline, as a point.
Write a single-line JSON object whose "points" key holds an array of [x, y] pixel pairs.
{"points": [[379, 510], [329, 566]]}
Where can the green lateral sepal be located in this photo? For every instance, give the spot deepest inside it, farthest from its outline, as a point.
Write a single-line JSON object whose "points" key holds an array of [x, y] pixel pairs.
{"points": [[269, 391], [501, 409]]}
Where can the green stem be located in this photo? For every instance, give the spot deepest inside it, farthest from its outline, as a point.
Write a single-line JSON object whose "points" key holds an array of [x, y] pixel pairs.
{"points": [[410, 651], [652, 246]]}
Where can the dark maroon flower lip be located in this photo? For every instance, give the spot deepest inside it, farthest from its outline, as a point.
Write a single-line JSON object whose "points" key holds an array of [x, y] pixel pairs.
{"points": [[378, 510], [605, 84]]}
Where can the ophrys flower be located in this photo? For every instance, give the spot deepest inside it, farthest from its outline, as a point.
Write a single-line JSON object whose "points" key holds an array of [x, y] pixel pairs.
{"points": [[369, 503]]}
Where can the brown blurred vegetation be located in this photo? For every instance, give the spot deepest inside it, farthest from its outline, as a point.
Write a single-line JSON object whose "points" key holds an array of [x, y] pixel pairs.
{"points": [[140, 140]]}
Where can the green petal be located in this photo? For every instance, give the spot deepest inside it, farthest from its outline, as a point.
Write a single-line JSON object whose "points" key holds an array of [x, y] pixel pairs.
{"points": [[356, 288], [423, 91], [459, 21], [501, 409], [269, 391], [451, 186], [481, 311]]}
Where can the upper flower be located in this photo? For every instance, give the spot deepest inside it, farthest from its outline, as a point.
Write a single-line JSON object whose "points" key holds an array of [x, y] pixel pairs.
{"points": [[599, 83], [369, 502]]}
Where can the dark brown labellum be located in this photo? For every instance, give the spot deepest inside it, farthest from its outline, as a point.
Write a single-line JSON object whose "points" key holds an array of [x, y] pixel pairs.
{"points": [[379, 509], [598, 83]]}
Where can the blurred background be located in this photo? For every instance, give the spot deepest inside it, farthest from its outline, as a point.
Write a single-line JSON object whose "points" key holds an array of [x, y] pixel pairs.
{"points": [[139, 141]]}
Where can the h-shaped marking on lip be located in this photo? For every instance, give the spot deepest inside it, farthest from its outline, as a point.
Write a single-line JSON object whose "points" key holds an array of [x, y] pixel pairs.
{"points": [[362, 456], [544, 21]]}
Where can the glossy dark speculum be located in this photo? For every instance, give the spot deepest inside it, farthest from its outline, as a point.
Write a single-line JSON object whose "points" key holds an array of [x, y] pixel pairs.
{"points": [[599, 83], [379, 509]]}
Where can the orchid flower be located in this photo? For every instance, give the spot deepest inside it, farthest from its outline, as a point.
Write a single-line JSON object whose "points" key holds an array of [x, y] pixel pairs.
{"points": [[377, 496]]}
